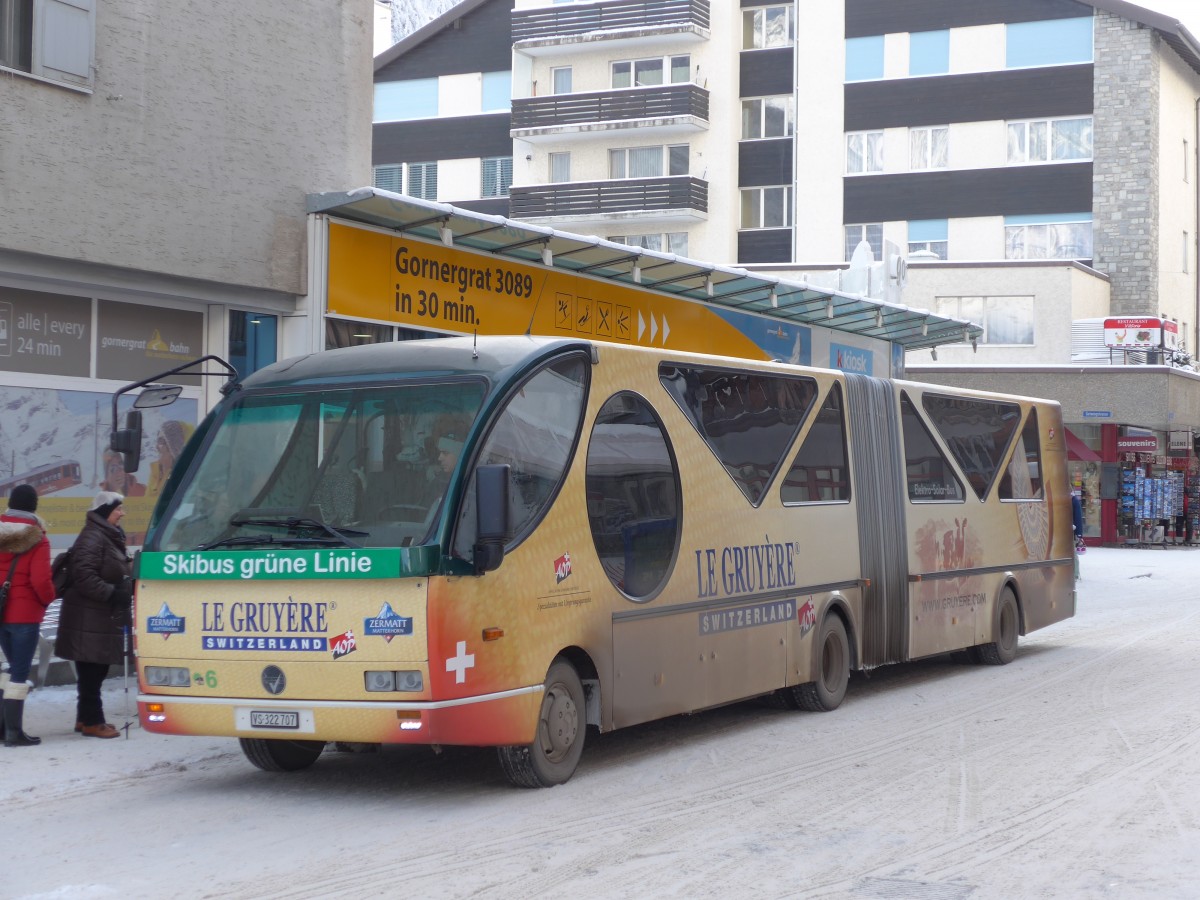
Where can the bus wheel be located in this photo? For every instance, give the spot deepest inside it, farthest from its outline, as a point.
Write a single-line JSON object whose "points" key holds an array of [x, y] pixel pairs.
{"points": [[1003, 650], [552, 757], [281, 756], [827, 692]]}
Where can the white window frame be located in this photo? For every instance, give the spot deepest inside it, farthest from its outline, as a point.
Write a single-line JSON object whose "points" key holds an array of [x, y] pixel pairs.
{"points": [[62, 34], [499, 187], [567, 73], [754, 36], [929, 148], [755, 109], [618, 161], [861, 233], [867, 146], [667, 70], [426, 174], [761, 206], [558, 166], [1041, 235], [1018, 153]]}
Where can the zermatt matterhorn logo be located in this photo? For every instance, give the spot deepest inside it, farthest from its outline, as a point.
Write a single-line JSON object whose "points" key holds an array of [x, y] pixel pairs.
{"points": [[387, 624], [165, 623]]}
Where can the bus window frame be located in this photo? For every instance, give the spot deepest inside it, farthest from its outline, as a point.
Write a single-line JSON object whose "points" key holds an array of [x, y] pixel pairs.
{"points": [[811, 416], [934, 435]]}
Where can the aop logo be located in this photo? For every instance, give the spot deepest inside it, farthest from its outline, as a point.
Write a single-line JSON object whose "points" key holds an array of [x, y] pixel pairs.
{"points": [[562, 568]]}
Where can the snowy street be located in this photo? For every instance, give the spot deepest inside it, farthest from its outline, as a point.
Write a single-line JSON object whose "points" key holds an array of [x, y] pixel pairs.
{"points": [[1072, 772]]}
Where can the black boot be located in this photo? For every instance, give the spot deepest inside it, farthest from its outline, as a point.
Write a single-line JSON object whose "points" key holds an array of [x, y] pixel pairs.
{"points": [[14, 713]]}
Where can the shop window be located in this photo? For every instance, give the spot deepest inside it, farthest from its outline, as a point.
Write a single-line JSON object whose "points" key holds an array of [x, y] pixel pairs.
{"points": [[747, 419], [253, 341], [820, 472], [930, 477], [978, 433], [1023, 476], [633, 496]]}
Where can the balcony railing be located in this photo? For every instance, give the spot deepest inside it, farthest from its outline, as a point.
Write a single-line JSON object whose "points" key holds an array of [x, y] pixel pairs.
{"points": [[621, 105], [572, 19], [582, 199]]}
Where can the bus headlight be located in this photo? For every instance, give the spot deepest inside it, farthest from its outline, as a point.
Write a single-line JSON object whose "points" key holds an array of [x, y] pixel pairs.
{"points": [[168, 676], [409, 680]]}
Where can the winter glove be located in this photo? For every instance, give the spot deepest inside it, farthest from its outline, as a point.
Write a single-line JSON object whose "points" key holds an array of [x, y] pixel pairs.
{"points": [[122, 596]]}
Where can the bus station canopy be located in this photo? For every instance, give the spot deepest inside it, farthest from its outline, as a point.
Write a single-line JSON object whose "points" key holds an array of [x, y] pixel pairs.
{"points": [[733, 288]]}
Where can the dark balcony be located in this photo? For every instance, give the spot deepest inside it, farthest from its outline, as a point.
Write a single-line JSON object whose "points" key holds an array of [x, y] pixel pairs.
{"points": [[566, 20], [658, 104], [675, 196]]}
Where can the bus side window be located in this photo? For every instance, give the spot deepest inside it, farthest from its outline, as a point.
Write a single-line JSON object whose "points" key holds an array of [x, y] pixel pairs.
{"points": [[978, 433], [820, 473], [535, 435], [634, 496], [930, 476], [1023, 475]]}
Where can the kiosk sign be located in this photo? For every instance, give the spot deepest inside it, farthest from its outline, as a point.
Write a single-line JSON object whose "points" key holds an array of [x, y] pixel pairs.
{"points": [[1136, 333]]}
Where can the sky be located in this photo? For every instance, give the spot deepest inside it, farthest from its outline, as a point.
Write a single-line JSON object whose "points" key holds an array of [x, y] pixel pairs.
{"points": [[1186, 11]]}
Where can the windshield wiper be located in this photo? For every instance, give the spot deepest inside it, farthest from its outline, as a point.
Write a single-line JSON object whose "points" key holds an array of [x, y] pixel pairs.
{"points": [[244, 539], [288, 520]]}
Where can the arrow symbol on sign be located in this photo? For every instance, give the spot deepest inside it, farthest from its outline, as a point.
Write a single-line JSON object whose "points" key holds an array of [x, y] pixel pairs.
{"points": [[641, 325], [666, 330], [653, 328]]}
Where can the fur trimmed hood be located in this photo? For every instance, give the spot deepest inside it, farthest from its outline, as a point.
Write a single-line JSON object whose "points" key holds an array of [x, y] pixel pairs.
{"points": [[17, 537]]}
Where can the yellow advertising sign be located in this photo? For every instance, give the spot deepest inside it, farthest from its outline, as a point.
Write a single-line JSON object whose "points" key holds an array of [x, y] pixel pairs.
{"points": [[423, 285]]}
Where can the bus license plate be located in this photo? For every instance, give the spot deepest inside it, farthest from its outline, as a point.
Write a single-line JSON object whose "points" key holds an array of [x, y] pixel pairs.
{"points": [[263, 719]]}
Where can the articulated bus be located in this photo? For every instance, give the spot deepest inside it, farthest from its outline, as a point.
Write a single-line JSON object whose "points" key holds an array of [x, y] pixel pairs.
{"points": [[503, 541]]}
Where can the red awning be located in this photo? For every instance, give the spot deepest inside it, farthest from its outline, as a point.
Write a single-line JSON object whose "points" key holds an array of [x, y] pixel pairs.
{"points": [[1077, 449]]}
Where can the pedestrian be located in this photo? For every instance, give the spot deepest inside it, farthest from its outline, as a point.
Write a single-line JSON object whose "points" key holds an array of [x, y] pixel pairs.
{"points": [[96, 609], [25, 565]]}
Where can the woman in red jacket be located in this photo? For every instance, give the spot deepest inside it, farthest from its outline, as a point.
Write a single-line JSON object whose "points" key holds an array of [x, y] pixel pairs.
{"points": [[23, 538]]}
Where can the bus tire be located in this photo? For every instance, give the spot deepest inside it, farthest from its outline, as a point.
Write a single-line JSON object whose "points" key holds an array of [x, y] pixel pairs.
{"points": [[554, 754], [827, 692], [1003, 649], [281, 756]]}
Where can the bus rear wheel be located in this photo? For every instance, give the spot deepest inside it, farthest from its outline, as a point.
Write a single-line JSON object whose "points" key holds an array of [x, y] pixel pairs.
{"points": [[829, 690], [281, 756], [562, 723], [1003, 649]]}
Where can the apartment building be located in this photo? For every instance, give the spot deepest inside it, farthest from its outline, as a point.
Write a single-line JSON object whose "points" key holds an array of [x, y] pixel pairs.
{"points": [[156, 162]]}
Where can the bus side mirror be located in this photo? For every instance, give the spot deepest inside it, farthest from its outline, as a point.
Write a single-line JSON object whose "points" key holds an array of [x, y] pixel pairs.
{"points": [[493, 521], [128, 440]]}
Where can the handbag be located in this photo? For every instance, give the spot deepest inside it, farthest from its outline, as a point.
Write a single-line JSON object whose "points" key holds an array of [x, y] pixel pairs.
{"points": [[4, 588]]}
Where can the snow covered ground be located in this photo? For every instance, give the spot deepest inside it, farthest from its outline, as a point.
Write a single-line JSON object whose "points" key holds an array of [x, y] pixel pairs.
{"points": [[1072, 772]]}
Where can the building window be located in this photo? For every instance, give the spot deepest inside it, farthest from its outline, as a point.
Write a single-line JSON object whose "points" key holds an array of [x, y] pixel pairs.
{"points": [[675, 242], [929, 53], [767, 117], [872, 234], [560, 167], [767, 207], [1051, 42], [1050, 140], [560, 80], [768, 26], [928, 236], [1005, 320], [496, 92], [1065, 236], [648, 162], [253, 339], [928, 148], [864, 152], [422, 180], [656, 70], [496, 176], [864, 58], [58, 47], [398, 101], [1186, 252], [390, 178]]}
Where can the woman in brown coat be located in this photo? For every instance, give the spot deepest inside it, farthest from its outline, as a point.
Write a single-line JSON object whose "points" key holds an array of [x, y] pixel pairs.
{"points": [[92, 628]]}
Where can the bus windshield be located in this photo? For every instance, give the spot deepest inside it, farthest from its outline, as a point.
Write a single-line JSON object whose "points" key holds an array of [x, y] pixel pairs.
{"points": [[363, 467]]}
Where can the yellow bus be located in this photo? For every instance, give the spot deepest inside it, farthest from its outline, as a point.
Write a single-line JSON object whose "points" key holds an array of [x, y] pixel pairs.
{"points": [[504, 541]]}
